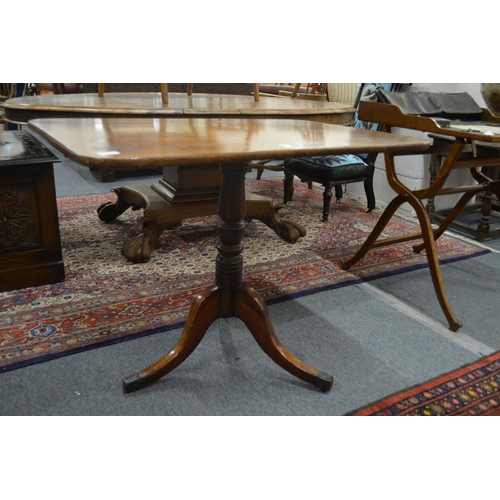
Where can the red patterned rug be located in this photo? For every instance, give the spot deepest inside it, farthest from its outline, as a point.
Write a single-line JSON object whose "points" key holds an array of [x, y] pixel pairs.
{"points": [[106, 299], [471, 390]]}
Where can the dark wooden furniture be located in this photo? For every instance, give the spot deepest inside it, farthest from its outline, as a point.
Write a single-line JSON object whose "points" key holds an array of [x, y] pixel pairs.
{"points": [[30, 247], [486, 206], [462, 134], [231, 143]]}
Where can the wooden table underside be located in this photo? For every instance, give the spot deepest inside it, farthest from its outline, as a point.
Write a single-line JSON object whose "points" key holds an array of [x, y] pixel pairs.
{"points": [[186, 191], [232, 144]]}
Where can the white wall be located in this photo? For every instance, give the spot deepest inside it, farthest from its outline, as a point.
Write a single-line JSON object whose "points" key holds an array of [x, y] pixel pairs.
{"points": [[413, 171]]}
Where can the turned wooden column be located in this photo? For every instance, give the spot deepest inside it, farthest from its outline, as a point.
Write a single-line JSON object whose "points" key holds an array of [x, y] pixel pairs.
{"points": [[231, 227]]}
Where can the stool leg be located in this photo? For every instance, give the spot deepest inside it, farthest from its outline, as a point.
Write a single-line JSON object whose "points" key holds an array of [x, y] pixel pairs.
{"points": [[339, 192], [370, 194], [288, 187], [327, 198]]}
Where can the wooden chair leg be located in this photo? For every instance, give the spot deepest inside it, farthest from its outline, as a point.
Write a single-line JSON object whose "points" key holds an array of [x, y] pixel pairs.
{"points": [[327, 198], [164, 92], [295, 90], [370, 195], [256, 95], [288, 187], [339, 192]]}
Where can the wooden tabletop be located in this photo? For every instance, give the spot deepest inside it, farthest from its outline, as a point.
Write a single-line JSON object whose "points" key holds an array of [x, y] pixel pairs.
{"points": [[23, 109], [158, 142]]}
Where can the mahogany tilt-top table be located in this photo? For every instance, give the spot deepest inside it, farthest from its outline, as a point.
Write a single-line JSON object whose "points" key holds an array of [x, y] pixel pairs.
{"points": [[231, 143]]}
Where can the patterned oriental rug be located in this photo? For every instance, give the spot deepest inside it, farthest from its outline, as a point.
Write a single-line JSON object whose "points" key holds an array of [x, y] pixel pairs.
{"points": [[471, 390], [106, 299]]}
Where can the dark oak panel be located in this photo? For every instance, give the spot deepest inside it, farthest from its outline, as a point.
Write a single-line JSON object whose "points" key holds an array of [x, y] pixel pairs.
{"points": [[30, 246]]}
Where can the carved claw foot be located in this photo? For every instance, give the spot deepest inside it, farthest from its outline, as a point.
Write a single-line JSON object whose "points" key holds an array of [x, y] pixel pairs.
{"points": [[286, 229], [139, 249]]}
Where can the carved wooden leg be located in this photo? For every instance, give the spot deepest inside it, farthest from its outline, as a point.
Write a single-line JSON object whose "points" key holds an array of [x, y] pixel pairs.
{"points": [[434, 167], [242, 301], [288, 230], [462, 203], [327, 199], [427, 233], [228, 298], [288, 187], [483, 227], [110, 211], [252, 310], [204, 311], [140, 248], [432, 259]]}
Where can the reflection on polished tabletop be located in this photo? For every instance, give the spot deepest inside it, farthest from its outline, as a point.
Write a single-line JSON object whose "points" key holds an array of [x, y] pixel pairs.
{"points": [[155, 142], [23, 109], [232, 143]]}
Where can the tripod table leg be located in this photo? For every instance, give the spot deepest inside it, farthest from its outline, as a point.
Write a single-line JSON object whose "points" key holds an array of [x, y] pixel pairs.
{"points": [[204, 311], [228, 297], [252, 310]]}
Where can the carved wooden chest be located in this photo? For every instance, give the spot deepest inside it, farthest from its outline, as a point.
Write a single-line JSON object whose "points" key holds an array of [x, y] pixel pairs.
{"points": [[30, 244]]}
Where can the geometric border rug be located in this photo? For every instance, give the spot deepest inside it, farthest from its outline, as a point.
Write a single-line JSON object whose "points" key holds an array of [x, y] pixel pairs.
{"points": [[105, 299], [473, 389]]}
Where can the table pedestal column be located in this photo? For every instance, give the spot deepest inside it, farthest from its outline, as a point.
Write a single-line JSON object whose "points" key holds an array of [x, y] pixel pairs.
{"points": [[228, 297]]}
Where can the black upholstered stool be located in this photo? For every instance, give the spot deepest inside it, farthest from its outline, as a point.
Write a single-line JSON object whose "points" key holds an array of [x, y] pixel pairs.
{"points": [[330, 171]]}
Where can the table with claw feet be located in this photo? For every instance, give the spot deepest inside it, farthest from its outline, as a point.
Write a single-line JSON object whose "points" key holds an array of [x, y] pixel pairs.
{"points": [[184, 190], [231, 143]]}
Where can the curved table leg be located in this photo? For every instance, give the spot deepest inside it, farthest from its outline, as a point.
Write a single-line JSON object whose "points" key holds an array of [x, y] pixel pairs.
{"points": [[204, 311], [252, 310], [427, 234], [449, 219], [376, 232], [429, 245], [111, 210]]}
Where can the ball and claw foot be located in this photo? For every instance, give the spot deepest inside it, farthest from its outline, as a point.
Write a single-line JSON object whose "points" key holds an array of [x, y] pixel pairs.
{"points": [[288, 230], [140, 248]]}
